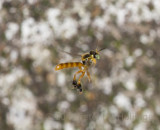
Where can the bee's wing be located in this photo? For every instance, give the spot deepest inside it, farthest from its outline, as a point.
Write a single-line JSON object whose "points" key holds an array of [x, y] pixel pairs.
{"points": [[71, 57], [71, 54], [102, 49]]}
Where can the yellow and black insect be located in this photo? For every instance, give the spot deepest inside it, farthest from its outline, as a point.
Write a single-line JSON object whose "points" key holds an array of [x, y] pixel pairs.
{"points": [[87, 60]]}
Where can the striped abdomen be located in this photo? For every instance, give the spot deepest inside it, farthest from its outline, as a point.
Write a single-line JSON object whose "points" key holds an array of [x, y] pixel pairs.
{"points": [[68, 65]]}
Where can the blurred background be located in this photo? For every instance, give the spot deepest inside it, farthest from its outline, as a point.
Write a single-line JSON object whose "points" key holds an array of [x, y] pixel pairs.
{"points": [[125, 90]]}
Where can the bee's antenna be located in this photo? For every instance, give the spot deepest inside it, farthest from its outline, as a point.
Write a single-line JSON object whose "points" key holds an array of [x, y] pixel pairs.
{"points": [[97, 47]]}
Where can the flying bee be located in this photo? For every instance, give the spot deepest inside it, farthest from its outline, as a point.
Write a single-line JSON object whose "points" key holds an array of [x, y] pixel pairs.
{"points": [[87, 60]]}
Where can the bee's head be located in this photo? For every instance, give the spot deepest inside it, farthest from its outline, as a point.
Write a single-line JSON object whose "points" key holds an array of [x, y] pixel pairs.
{"points": [[95, 54]]}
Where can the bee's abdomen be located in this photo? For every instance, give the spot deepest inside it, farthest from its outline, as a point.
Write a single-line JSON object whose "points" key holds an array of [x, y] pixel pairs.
{"points": [[68, 65]]}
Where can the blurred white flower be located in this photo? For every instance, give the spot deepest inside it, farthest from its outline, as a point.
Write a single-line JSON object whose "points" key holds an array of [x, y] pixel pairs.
{"points": [[157, 109], [13, 55], [121, 16], [63, 106], [22, 109], [113, 110], [12, 29], [144, 39], [129, 60], [83, 108], [9, 80], [99, 23], [147, 115], [85, 19], [79, 7], [1, 3], [68, 126], [112, 10], [32, 1], [118, 128], [150, 90], [139, 102], [52, 17], [102, 3], [4, 62], [50, 124], [6, 101], [130, 84], [123, 102], [68, 28], [70, 96], [35, 32], [92, 125], [106, 85], [138, 52], [61, 79], [156, 12], [141, 126], [40, 55]]}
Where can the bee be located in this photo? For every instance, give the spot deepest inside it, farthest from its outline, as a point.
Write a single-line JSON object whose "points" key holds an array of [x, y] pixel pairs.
{"points": [[87, 60]]}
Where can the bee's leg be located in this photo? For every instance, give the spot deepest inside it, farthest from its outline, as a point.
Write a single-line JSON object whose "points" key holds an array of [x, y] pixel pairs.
{"points": [[74, 79], [93, 60], [74, 83], [88, 75], [80, 71], [79, 81], [79, 87]]}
